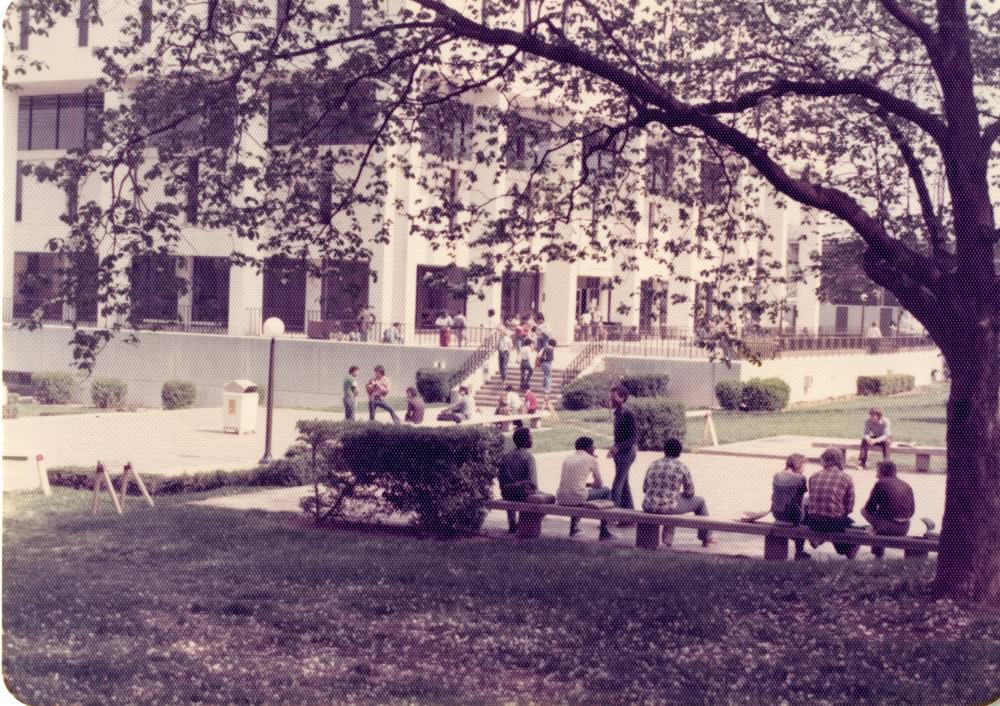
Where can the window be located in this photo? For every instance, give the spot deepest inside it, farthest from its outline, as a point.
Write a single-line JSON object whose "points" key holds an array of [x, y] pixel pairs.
{"points": [[344, 291], [325, 208], [37, 278], [155, 285], [660, 170], [713, 177], [794, 269], [191, 191], [598, 159], [18, 193], [145, 21], [446, 130], [332, 114], [61, 122], [210, 290], [187, 114], [25, 24], [439, 289], [356, 16], [527, 142]]}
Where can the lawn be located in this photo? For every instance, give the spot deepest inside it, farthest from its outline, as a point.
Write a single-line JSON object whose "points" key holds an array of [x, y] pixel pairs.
{"points": [[917, 417], [186, 604]]}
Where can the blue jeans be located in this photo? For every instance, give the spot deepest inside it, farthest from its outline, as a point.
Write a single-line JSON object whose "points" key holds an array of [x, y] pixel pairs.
{"points": [[350, 404], [695, 504], [547, 377], [621, 493], [504, 355], [526, 371], [379, 404], [602, 493]]}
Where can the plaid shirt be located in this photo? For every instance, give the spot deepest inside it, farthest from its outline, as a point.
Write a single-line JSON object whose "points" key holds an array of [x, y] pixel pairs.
{"points": [[831, 494], [666, 480]]}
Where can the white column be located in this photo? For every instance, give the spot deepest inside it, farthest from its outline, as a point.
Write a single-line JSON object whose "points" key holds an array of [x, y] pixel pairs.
{"points": [[246, 283], [9, 178], [558, 300], [476, 309]]}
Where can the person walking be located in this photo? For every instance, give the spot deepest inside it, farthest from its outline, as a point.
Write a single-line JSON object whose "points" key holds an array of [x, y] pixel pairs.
{"points": [[504, 344], [351, 392], [527, 365], [378, 389], [545, 359], [624, 449]]}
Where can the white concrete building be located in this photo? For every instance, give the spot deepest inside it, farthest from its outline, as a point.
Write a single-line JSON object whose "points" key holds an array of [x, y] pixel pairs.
{"points": [[46, 112]]}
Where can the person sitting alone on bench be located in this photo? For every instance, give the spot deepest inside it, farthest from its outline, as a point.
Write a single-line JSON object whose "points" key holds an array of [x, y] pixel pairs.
{"points": [[461, 410], [890, 506], [877, 434], [669, 490], [831, 500], [573, 486], [517, 473]]}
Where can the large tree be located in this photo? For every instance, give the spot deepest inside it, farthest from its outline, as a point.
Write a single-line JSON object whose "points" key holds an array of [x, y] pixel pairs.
{"points": [[882, 115]]}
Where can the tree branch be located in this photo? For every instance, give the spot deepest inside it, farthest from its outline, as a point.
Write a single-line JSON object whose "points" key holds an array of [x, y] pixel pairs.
{"points": [[908, 19]]}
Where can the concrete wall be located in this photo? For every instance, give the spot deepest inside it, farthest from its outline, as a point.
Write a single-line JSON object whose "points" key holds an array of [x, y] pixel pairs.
{"points": [[691, 381], [307, 372]]}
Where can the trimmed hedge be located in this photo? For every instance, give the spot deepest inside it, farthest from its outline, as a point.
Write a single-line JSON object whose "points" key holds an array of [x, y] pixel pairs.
{"points": [[434, 384], [108, 393], [646, 385], [178, 394], [729, 393], [588, 391], [656, 419], [53, 387], [885, 384], [765, 394], [444, 476]]}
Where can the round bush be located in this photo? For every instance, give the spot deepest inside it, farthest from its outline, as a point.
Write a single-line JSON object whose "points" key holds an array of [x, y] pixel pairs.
{"points": [[108, 393], [765, 394], [646, 385], [729, 393], [588, 391], [53, 387], [178, 394], [434, 384], [656, 419]]}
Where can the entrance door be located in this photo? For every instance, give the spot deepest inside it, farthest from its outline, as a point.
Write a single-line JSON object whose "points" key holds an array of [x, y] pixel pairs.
{"points": [[285, 292], [886, 319], [518, 294], [840, 325], [439, 289]]}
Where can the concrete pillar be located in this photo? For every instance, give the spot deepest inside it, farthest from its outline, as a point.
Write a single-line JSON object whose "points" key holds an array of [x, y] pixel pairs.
{"points": [[558, 300]]}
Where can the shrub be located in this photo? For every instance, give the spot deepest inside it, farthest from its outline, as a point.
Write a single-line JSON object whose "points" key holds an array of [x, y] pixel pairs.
{"points": [[884, 384], [178, 394], [434, 384], [729, 393], [53, 387], [646, 385], [655, 420], [588, 391], [765, 394], [108, 393], [443, 476]]}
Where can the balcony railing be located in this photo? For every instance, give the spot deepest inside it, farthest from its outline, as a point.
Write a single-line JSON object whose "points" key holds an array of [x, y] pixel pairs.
{"points": [[21, 309]]}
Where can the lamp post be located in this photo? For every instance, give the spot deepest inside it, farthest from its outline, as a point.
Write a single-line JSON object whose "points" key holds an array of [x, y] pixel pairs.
{"points": [[864, 300], [272, 328]]}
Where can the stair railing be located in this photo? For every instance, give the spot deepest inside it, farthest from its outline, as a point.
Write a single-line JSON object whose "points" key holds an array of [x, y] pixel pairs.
{"points": [[472, 363], [583, 359]]}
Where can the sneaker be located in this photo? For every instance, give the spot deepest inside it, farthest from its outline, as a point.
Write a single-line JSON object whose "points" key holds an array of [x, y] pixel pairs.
{"points": [[862, 466], [573, 531], [512, 529], [799, 556]]}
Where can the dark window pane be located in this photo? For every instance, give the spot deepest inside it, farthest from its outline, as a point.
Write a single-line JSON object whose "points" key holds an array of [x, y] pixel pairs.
{"points": [[326, 115], [72, 121], [24, 123], [154, 286], [191, 206], [25, 25], [44, 119], [210, 290], [345, 291], [282, 11], [356, 18]]}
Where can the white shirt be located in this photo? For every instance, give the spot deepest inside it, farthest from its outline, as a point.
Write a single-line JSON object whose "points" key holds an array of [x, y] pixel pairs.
{"points": [[505, 343], [576, 471], [526, 353], [442, 321], [514, 402], [873, 332]]}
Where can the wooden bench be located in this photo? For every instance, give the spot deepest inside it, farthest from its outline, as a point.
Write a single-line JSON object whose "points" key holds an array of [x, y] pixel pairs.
{"points": [[504, 422], [923, 453], [649, 528]]}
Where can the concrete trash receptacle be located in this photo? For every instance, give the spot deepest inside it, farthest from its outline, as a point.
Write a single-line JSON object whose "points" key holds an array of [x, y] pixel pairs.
{"points": [[239, 407]]}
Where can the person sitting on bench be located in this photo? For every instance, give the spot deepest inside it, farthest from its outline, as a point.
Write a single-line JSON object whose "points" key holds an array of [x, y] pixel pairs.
{"points": [[669, 490], [787, 494], [517, 473], [573, 486], [461, 410], [415, 406], [890, 506], [877, 433], [831, 500]]}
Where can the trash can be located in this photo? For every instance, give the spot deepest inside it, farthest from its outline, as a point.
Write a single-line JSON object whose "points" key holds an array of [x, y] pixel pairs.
{"points": [[239, 407]]}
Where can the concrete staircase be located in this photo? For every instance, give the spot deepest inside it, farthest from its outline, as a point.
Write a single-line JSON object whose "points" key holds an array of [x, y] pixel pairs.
{"points": [[488, 396]]}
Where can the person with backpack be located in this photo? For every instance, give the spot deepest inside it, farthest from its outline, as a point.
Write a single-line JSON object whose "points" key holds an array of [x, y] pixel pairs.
{"points": [[545, 359]]}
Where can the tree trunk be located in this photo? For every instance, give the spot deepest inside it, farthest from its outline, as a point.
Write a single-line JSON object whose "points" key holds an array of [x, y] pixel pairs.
{"points": [[968, 567]]}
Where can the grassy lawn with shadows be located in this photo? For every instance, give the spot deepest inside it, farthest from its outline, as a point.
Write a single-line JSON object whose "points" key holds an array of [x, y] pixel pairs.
{"points": [[191, 604]]}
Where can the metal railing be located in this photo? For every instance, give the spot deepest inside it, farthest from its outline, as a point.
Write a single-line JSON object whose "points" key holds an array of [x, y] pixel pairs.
{"points": [[351, 329], [19, 309], [583, 359], [184, 322], [484, 351], [613, 331]]}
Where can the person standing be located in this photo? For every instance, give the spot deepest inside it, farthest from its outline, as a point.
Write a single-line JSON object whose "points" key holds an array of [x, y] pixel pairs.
{"points": [[443, 323], [669, 490], [877, 433], [831, 500], [517, 473], [573, 486], [458, 325], [415, 406], [545, 359], [542, 332], [504, 344], [890, 506], [624, 449], [378, 389], [527, 365], [351, 392]]}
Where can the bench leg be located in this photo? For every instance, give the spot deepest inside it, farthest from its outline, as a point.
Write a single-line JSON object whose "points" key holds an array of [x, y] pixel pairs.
{"points": [[915, 554], [668, 536], [529, 525], [775, 548], [923, 463], [647, 536], [534, 422]]}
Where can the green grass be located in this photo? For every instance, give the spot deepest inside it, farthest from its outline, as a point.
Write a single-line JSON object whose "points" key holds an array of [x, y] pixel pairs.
{"points": [[918, 417], [183, 604]]}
